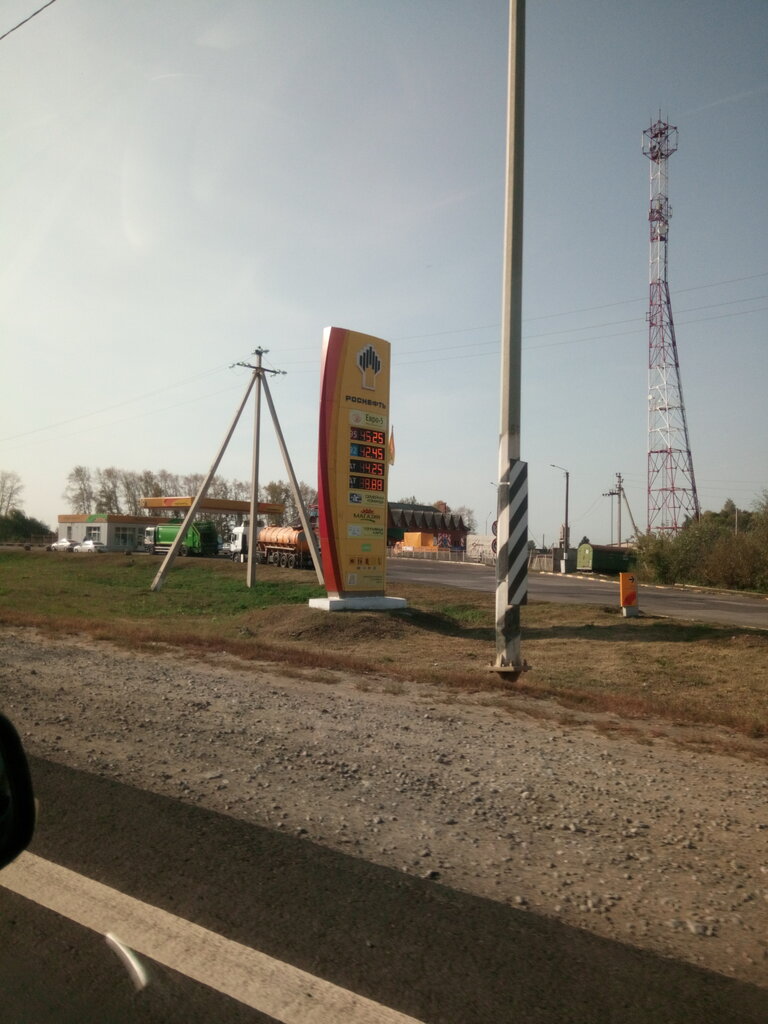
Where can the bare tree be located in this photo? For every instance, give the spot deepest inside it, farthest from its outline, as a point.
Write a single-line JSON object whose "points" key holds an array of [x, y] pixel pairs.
{"points": [[468, 515], [148, 484], [279, 492], [108, 484], [10, 492], [168, 483], [130, 492], [191, 483], [240, 490], [79, 493], [308, 493], [220, 488]]}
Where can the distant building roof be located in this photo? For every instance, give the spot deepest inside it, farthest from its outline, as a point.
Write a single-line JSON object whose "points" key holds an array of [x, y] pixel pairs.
{"points": [[424, 519]]}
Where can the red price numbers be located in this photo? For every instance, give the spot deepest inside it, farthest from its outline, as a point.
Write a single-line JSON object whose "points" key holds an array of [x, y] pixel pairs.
{"points": [[366, 483], [361, 466], [368, 436], [366, 451]]}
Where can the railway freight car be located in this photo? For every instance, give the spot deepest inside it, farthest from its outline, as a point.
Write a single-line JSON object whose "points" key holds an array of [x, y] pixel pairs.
{"points": [[603, 558]]}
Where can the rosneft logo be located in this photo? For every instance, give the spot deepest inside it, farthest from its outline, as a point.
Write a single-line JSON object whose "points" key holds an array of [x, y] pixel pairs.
{"points": [[369, 364]]}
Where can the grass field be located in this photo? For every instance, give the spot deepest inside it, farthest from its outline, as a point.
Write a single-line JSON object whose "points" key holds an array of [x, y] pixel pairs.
{"points": [[585, 656]]}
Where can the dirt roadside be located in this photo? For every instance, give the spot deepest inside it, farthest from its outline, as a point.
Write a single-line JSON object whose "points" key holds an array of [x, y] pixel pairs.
{"points": [[633, 838]]}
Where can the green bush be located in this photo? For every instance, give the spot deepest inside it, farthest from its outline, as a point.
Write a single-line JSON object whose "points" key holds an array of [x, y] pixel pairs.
{"points": [[710, 551]]}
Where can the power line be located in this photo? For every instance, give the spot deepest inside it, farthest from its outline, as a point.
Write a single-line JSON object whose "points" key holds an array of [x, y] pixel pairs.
{"points": [[624, 302], [114, 405], [591, 309], [31, 16], [570, 330], [490, 346], [568, 341], [133, 416]]}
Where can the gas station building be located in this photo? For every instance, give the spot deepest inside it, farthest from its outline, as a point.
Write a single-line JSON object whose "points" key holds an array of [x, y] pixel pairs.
{"points": [[424, 528]]}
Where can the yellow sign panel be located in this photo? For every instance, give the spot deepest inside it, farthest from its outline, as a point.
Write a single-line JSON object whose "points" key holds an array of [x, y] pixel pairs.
{"points": [[354, 461]]}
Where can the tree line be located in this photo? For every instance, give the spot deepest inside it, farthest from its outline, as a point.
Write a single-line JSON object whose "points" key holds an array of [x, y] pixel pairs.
{"points": [[726, 549], [115, 491], [15, 526]]}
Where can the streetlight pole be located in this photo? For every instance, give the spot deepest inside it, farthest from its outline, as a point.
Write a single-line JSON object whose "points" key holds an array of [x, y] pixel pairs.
{"points": [[566, 528]]}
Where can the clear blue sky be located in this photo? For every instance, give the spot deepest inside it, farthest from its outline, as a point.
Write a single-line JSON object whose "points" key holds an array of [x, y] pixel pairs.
{"points": [[185, 180]]}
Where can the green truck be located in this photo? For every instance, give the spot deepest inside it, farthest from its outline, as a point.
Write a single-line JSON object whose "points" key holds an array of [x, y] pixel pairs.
{"points": [[201, 539]]}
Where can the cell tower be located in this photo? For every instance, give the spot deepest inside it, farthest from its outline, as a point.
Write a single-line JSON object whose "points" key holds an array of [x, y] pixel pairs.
{"points": [[672, 496]]}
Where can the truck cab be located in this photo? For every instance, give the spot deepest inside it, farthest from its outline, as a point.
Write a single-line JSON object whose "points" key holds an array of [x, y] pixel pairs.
{"points": [[238, 543]]}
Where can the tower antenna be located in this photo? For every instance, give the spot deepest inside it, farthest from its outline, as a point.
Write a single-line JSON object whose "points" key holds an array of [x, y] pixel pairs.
{"points": [[672, 496]]}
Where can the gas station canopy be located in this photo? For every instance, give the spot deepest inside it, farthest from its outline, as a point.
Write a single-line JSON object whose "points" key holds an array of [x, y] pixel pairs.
{"points": [[266, 508]]}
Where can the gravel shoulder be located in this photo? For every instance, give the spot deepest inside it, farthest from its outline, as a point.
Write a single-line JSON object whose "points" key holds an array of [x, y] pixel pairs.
{"points": [[630, 837]]}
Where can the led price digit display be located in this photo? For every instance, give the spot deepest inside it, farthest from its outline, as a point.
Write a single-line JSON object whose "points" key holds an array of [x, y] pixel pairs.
{"points": [[367, 451], [368, 436], [366, 483], [372, 468]]}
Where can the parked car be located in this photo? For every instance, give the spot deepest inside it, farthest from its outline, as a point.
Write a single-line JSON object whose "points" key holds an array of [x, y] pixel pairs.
{"points": [[93, 546], [62, 545]]}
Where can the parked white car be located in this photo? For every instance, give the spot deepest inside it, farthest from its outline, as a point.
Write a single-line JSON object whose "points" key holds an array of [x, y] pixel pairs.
{"points": [[62, 545], [92, 546]]}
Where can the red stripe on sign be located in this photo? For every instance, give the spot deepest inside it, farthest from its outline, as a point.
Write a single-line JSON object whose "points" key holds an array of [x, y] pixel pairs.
{"points": [[330, 381]]}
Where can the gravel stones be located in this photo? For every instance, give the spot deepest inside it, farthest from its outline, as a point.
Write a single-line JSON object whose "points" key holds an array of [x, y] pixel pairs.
{"points": [[649, 843]]}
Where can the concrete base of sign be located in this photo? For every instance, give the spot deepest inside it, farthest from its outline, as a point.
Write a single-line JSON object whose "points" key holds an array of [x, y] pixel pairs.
{"points": [[358, 604], [630, 611]]}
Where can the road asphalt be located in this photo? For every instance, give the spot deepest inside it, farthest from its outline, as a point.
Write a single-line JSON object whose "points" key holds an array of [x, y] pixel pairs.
{"points": [[724, 608], [441, 956]]}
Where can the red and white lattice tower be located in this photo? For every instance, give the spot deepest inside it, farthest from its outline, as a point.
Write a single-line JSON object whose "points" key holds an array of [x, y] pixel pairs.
{"points": [[672, 496]]}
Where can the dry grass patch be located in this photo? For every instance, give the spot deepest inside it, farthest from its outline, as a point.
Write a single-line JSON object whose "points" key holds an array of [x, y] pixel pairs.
{"points": [[587, 657]]}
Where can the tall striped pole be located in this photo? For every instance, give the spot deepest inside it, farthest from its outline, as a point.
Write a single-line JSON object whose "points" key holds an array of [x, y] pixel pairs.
{"points": [[512, 495]]}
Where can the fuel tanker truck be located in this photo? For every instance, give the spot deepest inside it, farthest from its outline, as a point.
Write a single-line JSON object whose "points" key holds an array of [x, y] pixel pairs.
{"points": [[285, 546], [201, 539]]}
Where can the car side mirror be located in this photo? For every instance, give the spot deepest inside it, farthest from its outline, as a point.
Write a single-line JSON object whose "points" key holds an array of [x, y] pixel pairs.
{"points": [[17, 801]]}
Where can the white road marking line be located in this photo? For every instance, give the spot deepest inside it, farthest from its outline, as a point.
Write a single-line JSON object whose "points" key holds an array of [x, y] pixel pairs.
{"points": [[260, 981]]}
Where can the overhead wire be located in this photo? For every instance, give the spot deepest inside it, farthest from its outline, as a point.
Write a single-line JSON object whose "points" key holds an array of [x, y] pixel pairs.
{"points": [[476, 348], [474, 345], [133, 416], [24, 22], [113, 405]]}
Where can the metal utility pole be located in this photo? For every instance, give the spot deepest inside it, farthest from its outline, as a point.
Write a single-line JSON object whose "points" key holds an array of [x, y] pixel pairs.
{"points": [[512, 494], [252, 523], [566, 528], [615, 494], [253, 528], [621, 494], [259, 379], [672, 495], [169, 559], [260, 374]]}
